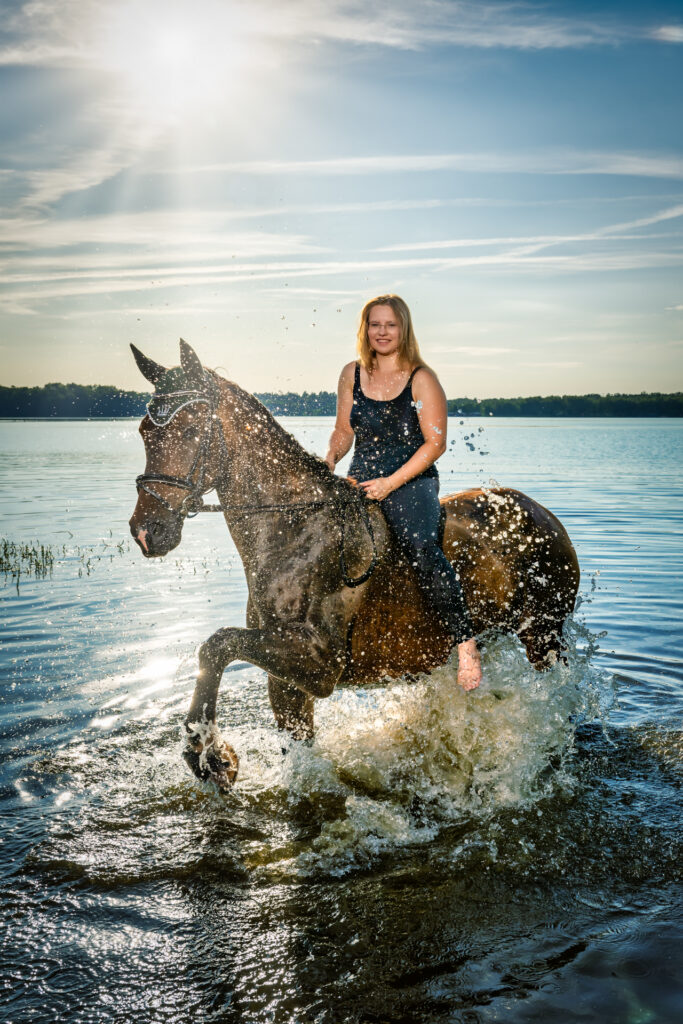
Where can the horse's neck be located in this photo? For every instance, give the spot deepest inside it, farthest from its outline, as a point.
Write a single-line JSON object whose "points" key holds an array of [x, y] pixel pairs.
{"points": [[266, 464]]}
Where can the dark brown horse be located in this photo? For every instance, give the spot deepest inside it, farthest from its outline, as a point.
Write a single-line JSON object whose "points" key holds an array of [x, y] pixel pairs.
{"points": [[330, 598]]}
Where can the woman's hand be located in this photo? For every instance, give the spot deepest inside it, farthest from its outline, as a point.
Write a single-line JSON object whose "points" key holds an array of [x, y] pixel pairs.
{"points": [[378, 488]]}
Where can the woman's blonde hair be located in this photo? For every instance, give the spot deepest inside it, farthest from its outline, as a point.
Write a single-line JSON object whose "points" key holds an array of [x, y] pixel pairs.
{"points": [[408, 349]]}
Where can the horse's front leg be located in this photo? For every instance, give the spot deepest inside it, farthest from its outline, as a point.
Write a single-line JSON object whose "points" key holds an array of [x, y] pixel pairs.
{"points": [[303, 657], [292, 707]]}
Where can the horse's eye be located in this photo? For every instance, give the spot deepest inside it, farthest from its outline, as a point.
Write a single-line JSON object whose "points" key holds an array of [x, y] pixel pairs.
{"points": [[189, 434]]}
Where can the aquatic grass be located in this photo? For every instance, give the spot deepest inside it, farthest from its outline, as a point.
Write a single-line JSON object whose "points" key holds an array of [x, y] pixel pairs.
{"points": [[29, 559], [32, 559]]}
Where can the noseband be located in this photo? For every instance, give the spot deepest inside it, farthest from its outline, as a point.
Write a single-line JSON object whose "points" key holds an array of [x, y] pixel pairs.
{"points": [[161, 409]]}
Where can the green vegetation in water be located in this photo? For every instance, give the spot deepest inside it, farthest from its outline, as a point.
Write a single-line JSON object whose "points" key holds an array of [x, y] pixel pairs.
{"points": [[30, 559], [23, 560]]}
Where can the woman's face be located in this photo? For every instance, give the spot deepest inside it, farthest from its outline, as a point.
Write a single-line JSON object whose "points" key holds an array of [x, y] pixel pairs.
{"points": [[384, 330]]}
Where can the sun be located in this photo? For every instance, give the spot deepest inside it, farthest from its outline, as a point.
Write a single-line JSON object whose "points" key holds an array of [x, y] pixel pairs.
{"points": [[172, 60]]}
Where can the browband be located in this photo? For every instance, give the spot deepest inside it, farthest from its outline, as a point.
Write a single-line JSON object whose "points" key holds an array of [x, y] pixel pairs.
{"points": [[161, 408]]}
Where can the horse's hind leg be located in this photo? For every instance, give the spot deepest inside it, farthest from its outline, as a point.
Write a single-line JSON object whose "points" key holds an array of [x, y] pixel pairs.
{"points": [[293, 709], [544, 644]]}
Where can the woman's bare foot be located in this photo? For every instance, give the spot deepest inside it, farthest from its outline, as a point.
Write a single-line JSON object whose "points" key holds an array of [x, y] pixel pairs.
{"points": [[469, 665]]}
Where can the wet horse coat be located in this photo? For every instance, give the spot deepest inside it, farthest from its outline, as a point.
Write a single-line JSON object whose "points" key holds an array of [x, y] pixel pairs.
{"points": [[316, 615]]}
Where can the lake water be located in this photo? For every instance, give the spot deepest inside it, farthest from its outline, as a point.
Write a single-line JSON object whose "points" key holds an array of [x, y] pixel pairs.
{"points": [[515, 854]]}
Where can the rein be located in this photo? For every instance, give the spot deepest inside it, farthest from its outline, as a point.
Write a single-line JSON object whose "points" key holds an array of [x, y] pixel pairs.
{"points": [[349, 581], [193, 504]]}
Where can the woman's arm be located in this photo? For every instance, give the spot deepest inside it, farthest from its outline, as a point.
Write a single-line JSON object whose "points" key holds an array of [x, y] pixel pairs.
{"points": [[341, 438], [432, 412]]}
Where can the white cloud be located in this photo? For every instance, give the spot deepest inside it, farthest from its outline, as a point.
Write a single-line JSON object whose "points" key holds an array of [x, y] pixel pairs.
{"points": [[167, 251], [119, 139], [76, 33], [468, 23], [83, 171], [669, 34]]}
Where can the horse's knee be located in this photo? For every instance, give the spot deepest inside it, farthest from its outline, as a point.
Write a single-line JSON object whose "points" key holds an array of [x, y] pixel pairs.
{"points": [[212, 652], [320, 680], [324, 687], [326, 662]]}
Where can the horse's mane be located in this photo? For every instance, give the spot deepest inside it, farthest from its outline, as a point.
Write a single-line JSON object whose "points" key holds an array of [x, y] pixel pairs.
{"points": [[285, 441]]}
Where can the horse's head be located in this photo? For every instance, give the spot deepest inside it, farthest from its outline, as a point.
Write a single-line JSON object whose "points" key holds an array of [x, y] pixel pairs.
{"points": [[177, 432]]}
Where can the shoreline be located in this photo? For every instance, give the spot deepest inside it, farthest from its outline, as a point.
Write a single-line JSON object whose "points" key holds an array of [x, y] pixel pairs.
{"points": [[318, 415]]}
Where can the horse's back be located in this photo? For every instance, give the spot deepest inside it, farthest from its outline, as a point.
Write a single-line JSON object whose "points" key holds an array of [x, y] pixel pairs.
{"points": [[514, 556], [515, 562], [497, 506]]}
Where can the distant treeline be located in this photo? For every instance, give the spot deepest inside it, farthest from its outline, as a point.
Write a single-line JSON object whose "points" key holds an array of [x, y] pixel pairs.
{"points": [[654, 404], [71, 401], [85, 401]]}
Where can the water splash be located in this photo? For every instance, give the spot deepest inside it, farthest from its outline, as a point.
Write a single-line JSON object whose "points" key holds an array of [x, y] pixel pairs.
{"points": [[391, 769], [417, 757]]}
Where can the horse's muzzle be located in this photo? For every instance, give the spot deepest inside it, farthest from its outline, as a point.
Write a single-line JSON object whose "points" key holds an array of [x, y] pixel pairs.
{"points": [[156, 537]]}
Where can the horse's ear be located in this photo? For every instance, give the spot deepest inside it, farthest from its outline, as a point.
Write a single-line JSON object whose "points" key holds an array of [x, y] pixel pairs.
{"points": [[189, 360], [151, 371]]}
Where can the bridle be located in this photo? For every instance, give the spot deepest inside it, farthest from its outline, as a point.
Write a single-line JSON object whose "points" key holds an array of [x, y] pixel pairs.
{"points": [[193, 503]]}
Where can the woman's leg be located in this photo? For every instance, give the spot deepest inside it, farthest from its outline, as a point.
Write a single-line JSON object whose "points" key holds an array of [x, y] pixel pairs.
{"points": [[469, 665], [413, 514]]}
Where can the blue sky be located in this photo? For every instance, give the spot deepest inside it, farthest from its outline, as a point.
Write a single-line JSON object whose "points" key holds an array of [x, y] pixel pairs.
{"points": [[247, 174]]}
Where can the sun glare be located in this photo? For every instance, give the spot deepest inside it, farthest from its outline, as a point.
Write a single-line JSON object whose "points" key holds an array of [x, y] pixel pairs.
{"points": [[168, 61]]}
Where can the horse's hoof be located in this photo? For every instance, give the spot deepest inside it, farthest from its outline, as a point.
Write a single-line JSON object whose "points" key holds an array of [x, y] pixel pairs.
{"points": [[218, 766]]}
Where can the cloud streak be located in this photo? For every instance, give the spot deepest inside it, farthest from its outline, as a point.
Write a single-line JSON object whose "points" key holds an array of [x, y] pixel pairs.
{"points": [[93, 167], [163, 251], [125, 280], [551, 162], [536, 243]]}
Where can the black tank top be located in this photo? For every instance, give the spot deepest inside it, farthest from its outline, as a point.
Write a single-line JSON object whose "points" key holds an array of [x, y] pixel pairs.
{"points": [[387, 433]]}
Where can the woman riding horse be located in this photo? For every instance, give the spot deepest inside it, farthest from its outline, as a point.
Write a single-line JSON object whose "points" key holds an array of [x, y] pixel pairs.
{"points": [[332, 597], [394, 406]]}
